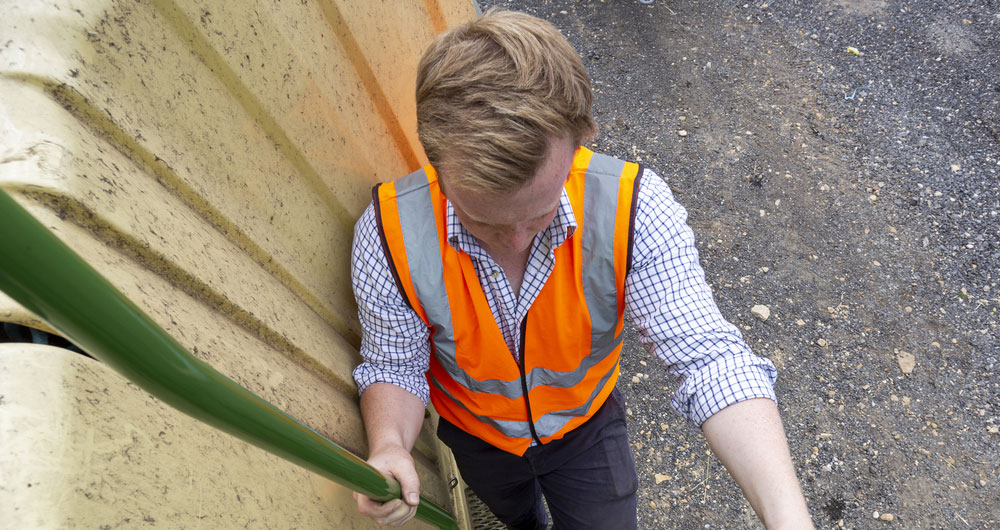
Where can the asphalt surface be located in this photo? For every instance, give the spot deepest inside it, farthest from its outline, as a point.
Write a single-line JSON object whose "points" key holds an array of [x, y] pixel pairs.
{"points": [[840, 161]]}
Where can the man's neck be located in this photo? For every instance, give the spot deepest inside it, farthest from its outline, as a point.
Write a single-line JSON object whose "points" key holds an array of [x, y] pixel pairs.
{"points": [[514, 266]]}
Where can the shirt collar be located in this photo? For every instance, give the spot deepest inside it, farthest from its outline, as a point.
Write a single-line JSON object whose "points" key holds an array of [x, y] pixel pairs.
{"points": [[561, 228]]}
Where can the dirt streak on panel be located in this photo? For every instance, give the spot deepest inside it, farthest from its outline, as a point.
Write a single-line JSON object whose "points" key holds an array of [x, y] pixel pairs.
{"points": [[189, 33], [94, 118], [77, 213], [436, 15], [335, 19]]}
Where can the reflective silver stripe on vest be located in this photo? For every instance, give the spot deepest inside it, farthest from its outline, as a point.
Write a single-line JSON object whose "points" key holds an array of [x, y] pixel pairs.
{"points": [[550, 423], [423, 252], [426, 271], [539, 376], [600, 207], [510, 429]]}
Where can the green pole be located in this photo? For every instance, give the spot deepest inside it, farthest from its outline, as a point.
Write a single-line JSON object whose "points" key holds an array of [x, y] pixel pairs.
{"points": [[45, 276]]}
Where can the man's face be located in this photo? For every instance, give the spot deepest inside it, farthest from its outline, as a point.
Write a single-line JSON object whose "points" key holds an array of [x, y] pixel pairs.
{"points": [[507, 223]]}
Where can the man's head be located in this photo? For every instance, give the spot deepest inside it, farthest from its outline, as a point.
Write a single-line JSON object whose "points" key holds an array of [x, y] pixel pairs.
{"points": [[493, 95]]}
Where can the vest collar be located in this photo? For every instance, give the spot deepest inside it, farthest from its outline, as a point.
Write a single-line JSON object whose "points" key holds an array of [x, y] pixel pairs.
{"points": [[562, 228]]}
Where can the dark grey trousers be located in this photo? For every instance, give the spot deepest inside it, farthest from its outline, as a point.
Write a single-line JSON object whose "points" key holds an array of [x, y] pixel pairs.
{"points": [[587, 477]]}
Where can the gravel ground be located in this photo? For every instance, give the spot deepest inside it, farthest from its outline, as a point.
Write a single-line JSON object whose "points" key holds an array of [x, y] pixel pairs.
{"points": [[839, 160]]}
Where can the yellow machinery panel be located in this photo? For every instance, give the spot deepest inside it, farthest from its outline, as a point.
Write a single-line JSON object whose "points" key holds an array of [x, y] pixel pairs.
{"points": [[111, 456], [209, 158]]}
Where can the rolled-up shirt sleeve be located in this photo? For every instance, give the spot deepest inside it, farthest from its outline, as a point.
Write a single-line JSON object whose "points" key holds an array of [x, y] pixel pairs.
{"points": [[395, 346], [673, 308]]}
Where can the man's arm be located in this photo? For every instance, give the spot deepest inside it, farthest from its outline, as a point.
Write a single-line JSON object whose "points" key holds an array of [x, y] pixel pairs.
{"points": [[393, 417], [725, 388], [395, 350], [748, 439]]}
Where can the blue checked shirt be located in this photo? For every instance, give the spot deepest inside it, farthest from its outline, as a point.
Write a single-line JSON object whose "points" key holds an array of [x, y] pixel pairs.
{"points": [[665, 294]]}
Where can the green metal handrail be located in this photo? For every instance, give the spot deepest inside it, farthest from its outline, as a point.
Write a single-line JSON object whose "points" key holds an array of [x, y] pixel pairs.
{"points": [[45, 276]]}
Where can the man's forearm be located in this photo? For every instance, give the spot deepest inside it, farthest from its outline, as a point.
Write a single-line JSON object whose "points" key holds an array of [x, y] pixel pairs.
{"points": [[749, 440], [393, 416]]}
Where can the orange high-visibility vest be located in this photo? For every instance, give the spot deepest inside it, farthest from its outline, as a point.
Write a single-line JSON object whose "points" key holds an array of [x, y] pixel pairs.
{"points": [[571, 338]]}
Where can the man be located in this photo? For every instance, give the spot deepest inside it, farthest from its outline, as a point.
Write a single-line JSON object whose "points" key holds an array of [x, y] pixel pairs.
{"points": [[494, 282]]}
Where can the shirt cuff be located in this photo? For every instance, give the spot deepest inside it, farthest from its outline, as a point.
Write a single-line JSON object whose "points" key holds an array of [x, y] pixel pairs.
{"points": [[367, 374], [698, 399]]}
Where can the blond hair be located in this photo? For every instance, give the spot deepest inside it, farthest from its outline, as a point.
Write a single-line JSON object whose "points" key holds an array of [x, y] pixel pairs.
{"points": [[493, 93]]}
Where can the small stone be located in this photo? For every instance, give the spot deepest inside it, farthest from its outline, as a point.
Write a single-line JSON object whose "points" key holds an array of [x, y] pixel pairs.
{"points": [[907, 362], [906, 401], [886, 517], [800, 322], [761, 311], [875, 515], [659, 477], [993, 429], [956, 168], [821, 342], [682, 132], [636, 379]]}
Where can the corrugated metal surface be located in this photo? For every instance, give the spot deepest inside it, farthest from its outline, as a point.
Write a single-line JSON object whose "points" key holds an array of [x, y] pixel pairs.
{"points": [[210, 159]]}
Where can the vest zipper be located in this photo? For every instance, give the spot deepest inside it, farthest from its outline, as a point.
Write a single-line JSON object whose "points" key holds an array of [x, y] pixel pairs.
{"points": [[524, 380]]}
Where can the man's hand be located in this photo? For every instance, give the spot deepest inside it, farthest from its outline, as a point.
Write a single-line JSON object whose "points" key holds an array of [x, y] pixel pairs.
{"points": [[393, 418], [394, 462]]}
